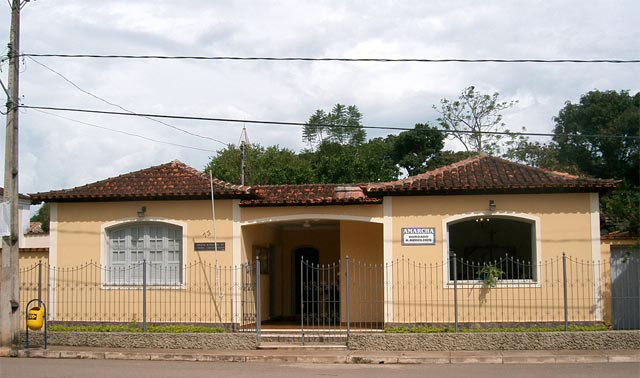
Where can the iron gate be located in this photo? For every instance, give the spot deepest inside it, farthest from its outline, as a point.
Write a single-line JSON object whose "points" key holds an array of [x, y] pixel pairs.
{"points": [[250, 298], [625, 287], [320, 304]]}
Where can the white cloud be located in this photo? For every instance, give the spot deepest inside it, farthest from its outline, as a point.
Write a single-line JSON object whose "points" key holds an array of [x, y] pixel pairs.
{"points": [[57, 153]]}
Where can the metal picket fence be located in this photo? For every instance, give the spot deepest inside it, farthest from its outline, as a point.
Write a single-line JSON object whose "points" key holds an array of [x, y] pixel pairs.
{"points": [[506, 292], [195, 293], [348, 296]]}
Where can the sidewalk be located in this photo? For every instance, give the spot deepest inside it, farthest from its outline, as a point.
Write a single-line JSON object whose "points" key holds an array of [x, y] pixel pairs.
{"points": [[336, 356]]}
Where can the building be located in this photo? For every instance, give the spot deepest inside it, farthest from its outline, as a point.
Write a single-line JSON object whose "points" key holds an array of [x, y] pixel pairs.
{"points": [[399, 238], [33, 241]]}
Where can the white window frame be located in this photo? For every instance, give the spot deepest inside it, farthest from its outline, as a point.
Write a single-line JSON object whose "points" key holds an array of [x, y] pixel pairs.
{"points": [[132, 222], [536, 244]]}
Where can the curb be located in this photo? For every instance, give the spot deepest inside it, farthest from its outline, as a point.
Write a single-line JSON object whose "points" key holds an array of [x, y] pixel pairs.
{"points": [[329, 359]]}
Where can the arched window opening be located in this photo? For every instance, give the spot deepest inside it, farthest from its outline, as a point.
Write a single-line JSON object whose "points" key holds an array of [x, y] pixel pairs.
{"points": [[507, 243], [159, 244]]}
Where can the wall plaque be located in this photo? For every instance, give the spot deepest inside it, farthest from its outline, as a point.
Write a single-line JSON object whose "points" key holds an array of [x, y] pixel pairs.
{"points": [[208, 246], [419, 236]]}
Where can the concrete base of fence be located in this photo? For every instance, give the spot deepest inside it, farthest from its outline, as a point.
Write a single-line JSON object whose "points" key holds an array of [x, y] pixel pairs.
{"points": [[606, 340], [211, 341]]}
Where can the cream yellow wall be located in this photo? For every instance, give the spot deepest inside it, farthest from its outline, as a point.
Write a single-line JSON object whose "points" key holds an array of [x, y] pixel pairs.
{"points": [[362, 243], [250, 214], [29, 259], [564, 221], [565, 226], [264, 236], [79, 227], [80, 238]]}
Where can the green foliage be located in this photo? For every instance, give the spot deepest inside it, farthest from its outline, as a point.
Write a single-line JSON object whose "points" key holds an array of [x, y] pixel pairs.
{"points": [[414, 149], [622, 209], [560, 328], [601, 113], [490, 274], [367, 162], [42, 216], [540, 155], [448, 157], [328, 126], [472, 114], [133, 328], [264, 166], [418, 329], [597, 113]]}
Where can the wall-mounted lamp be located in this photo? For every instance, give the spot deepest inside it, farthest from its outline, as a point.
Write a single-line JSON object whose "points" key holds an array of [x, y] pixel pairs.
{"points": [[141, 211], [492, 205]]}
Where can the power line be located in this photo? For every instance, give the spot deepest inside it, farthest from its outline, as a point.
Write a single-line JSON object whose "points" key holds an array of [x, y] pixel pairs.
{"points": [[121, 107], [329, 59], [285, 123], [124, 132]]}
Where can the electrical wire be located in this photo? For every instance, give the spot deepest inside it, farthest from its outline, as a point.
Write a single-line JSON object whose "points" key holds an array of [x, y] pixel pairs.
{"points": [[121, 107], [285, 123], [329, 59], [125, 133]]}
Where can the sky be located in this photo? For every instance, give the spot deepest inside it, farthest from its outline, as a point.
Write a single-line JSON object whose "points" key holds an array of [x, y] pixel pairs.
{"points": [[58, 153]]}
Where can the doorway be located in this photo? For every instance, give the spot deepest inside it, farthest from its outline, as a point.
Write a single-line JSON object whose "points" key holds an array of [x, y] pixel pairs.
{"points": [[310, 256]]}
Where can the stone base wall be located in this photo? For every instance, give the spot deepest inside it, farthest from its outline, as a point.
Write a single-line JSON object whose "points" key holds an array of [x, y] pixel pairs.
{"points": [[607, 340], [211, 341]]}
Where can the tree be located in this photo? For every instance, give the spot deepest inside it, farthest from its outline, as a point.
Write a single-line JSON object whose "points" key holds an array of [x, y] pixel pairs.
{"points": [[471, 115], [584, 151], [42, 216], [601, 113], [448, 157], [622, 209], [414, 149], [367, 162], [341, 125], [270, 166], [540, 155], [277, 165]]}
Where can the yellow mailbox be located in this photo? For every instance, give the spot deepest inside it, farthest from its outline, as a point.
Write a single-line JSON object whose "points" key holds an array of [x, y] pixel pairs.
{"points": [[35, 318]]}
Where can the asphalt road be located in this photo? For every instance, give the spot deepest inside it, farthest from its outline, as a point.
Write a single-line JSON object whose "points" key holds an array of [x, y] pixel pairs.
{"points": [[53, 368]]}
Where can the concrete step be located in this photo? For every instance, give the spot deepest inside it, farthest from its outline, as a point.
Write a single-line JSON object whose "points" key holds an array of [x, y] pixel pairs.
{"points": [[307, 338], [307, 346]]}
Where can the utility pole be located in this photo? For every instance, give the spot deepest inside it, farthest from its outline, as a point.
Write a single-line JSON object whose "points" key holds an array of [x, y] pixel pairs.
{"points": [[244, 140], [9, 291]]}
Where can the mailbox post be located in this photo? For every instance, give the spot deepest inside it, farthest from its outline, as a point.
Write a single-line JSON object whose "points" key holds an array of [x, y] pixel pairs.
{"points": [[36, 318]]}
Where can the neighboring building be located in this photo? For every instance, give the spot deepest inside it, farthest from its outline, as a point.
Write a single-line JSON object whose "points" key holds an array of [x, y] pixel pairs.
{"points": [[482, 208], [33, 242], [24, 205]]}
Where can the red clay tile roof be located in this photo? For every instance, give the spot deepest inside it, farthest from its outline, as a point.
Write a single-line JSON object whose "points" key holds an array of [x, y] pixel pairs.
{"points": [[479, 174], [21, 196], [308, 195], [484, 173], [30, 250], [620, 235], [35, 228], [174, 180]]}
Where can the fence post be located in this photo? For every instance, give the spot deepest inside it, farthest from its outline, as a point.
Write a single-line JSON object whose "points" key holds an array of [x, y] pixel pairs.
{"points": [[302, 298], [564, 285], [144, 295], [347, 296], [258, 302], [40, 280], [455, 292]]}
